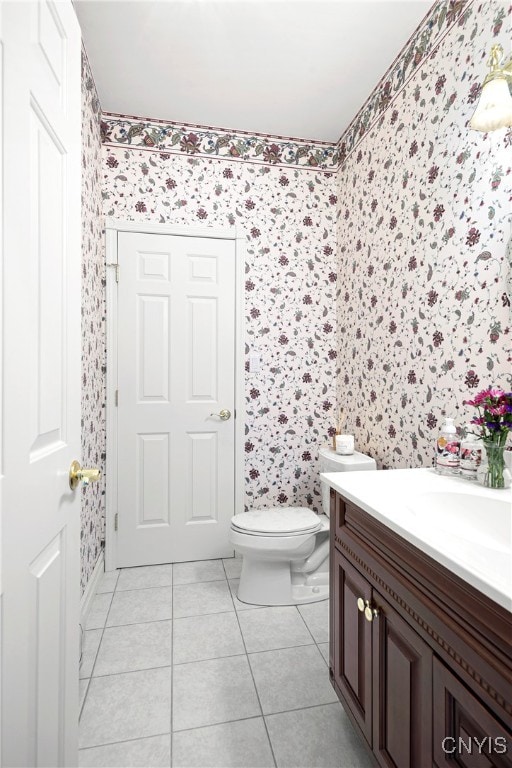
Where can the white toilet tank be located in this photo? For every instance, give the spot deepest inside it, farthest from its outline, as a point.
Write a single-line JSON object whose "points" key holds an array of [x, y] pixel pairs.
{"points": [[330, 461]]}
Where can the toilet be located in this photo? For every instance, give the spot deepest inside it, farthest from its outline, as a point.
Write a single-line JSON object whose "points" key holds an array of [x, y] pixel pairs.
{"points": [[285, 550]]}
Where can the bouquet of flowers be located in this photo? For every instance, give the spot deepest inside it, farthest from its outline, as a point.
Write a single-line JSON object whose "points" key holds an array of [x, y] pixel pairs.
{"points": [[494, 417]]}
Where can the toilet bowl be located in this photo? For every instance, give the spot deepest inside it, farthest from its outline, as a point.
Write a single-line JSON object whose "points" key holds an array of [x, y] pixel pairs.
{"points": [[285, 550]]}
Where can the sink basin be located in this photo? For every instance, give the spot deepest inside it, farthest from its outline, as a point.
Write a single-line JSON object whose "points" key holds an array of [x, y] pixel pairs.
{"points": [[476, 519]]}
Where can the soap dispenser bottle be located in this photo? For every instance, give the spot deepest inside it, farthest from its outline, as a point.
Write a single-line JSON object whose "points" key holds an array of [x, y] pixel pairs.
{"points": [[470, 454], [448, 449]]}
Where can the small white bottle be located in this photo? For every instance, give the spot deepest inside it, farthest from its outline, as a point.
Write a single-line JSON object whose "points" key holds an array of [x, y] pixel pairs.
{"points": [[448, 449], [470, 454]]}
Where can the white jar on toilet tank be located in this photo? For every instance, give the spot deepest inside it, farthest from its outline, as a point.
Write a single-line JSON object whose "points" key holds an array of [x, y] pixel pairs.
{"points": [[345, 444]]}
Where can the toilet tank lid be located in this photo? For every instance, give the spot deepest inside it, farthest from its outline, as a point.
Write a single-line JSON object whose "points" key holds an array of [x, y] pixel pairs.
{"points": [[277, 520], [350, 462]]}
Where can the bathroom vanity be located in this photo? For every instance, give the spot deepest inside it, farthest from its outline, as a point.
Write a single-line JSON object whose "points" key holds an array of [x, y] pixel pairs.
{"points": [[420, 616]]}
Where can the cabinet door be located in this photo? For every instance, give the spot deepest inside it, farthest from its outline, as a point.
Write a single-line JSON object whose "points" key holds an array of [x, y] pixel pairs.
{"points": [[465, 732], [352, 642], [402, 691]]}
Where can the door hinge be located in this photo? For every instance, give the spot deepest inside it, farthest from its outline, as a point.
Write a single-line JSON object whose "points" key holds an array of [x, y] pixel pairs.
{"points": [[116, 398], [116, 521], [116, 267]]}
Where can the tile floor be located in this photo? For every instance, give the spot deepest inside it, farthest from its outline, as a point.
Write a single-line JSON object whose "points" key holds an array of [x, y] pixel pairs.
{"points": [[176, 671]]}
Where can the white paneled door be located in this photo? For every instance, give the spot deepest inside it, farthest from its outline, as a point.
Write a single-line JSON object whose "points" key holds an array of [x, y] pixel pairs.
{"points": [[40, 219], [176, 358]]}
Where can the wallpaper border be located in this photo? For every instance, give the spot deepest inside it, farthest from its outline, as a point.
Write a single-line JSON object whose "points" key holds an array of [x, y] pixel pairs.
{"points": [[205, 141]]}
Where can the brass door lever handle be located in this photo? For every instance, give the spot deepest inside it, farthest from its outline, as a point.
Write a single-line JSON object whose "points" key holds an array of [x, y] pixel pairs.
{"points": [[77, 474], [224, 415]]}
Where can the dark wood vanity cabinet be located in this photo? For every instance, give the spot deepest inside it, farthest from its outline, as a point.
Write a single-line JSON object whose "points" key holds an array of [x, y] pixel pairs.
{"points": [[383, 669], [420, 660]]}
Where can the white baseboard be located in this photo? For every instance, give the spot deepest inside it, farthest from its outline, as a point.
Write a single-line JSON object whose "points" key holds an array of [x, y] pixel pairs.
{"points": [[90, 590]]}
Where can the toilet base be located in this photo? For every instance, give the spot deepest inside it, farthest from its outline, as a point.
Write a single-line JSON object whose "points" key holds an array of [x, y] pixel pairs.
{"points": [[269, 583]]}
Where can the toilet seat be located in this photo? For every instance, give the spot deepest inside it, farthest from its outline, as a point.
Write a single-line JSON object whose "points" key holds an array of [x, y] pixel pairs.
{"points": [[278, 521]]}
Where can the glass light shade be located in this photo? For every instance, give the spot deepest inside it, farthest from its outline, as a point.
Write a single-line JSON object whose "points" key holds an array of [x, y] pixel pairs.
{"points": [[494, 109]]}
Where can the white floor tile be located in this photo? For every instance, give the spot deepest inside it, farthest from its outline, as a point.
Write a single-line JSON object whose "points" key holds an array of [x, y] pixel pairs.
{"points": [[140, 605], [324, 650], [200, 570], [316, 616], [127, 706], [91, 643], [199, 599], [291, 678], [145, 576], [242, 744], [206, 637], [140, 753], [210, 692], [266, 629], [108, 582], [233, 567], [98, 611], [134, 646], [126, 716], [322, 737]]}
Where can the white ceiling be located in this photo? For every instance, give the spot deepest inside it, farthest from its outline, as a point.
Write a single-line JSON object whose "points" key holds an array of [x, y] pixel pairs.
{"points": [[298, 68]]}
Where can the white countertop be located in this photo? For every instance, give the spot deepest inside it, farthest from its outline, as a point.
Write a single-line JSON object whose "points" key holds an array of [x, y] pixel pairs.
{"points": [[460, 524]]}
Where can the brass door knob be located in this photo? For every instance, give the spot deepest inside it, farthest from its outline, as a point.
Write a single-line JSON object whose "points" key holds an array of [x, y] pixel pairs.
{"points": [[224, 415], [77, 474]]}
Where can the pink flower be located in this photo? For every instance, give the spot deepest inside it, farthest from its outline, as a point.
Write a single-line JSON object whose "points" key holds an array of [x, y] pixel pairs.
{"points": [[497, 410], [494, 413], [488, 394]]}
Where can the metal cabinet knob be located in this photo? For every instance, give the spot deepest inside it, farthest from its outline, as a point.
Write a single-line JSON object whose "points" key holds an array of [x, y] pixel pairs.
{"points": [[224, 414], [77, 474], [370, 613]]}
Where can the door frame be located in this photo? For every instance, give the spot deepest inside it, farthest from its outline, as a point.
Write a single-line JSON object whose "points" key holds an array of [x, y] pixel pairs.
{"points": [[112, 228]]}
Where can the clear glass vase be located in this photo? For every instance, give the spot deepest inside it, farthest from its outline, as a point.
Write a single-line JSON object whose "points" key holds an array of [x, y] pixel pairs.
{"points": [[493, 475]]}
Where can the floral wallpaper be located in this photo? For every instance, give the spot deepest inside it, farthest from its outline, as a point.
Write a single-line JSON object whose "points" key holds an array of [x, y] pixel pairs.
{"points": [[289, 218], [93, 327], [423, 224], [201, 141]]}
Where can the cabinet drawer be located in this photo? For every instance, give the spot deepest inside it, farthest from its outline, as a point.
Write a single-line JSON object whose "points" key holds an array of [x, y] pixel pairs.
{"points": [[465, 733]]}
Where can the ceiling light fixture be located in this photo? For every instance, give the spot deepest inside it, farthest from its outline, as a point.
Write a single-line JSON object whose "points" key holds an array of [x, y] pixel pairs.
{"points": [[494, 108]]}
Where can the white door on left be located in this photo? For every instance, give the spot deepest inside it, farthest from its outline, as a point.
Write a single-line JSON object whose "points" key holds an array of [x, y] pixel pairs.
{"points": [[40, 221]]}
